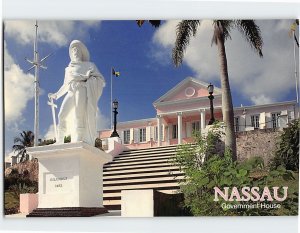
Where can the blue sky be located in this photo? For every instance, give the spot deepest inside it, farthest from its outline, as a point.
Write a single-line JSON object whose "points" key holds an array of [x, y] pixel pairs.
{"points": [[143, 56]]}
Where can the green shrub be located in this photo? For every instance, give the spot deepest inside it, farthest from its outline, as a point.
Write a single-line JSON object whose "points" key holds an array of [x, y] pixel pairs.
{"points": [[287, 153], [14, 185], [202, 175]]}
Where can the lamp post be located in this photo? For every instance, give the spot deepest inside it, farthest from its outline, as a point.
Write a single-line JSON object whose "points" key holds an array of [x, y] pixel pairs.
{"points": [[210, 89], [115, 105]]}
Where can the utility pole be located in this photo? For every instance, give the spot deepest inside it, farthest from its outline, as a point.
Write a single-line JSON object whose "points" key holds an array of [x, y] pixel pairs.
{"points": [[36, 64]]}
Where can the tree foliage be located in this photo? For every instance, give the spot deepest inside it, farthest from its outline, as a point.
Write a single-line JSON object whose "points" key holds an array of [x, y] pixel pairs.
{"points": [[26, 139], [205, 169], [287, 153]]}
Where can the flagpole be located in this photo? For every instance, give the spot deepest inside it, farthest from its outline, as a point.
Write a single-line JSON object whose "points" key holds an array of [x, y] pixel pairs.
{"points": [[296, 79], [295, 64], [111, 97]]}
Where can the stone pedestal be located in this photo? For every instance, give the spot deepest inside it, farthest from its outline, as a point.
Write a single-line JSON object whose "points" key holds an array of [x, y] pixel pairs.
{"points": [[70, 180]]}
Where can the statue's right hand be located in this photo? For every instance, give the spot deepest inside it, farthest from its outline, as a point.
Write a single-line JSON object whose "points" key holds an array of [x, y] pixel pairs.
{"points": [[52, 96]]}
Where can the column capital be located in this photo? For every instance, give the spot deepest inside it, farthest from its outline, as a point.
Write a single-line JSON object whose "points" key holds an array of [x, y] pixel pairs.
{"points": [[202, 110], [179, 113], [158, 116]]}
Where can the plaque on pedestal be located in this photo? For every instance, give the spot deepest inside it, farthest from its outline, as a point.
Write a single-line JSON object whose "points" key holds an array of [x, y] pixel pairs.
{"points": [[70, 180]]}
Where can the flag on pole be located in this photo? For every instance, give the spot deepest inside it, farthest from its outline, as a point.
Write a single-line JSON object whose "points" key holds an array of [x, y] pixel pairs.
{"points": [[115, 73], [293, 30]]}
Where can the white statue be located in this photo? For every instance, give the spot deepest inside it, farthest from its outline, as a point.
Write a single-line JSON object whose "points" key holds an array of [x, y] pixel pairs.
{"points": [[83, 84]]}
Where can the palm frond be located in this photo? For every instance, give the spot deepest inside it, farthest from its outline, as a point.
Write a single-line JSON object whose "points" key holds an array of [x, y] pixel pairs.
{"points": [[251, 33], [155, 23], [185, 29], [221, 28], [17, 147], [21, 143]]}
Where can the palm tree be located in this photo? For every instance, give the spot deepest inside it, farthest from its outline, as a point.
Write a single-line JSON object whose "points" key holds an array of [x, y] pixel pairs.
{"points": [[251, 33], [25, 140], [154, 23]]}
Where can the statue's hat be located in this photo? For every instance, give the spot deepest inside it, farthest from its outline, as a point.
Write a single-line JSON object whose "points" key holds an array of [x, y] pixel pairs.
{"points": [[83, 48]]}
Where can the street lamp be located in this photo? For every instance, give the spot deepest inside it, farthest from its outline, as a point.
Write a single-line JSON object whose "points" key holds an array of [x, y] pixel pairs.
{"points": [[210, 89], [115, 105]]}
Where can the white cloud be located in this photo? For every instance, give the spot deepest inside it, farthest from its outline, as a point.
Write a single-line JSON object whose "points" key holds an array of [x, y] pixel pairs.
{"points": [[102, 121], [260, 80], [56, 32], [50, 133], [18, 89], [260, 99]]}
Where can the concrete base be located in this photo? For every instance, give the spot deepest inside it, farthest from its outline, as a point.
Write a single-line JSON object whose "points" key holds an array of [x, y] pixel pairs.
{"points": [[28, 202], [137, 203], [70, 176]]}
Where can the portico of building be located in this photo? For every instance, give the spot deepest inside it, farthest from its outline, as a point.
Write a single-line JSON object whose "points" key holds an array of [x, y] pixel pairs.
{"points": [[186, 108]]}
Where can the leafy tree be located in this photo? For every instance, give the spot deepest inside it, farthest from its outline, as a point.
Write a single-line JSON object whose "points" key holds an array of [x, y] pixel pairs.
{"points": [[287, 153], [205, 169], [222, 28], [26, 139]]}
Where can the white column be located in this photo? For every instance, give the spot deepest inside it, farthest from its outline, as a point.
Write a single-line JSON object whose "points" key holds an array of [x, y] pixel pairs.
{"points": [[179, 115], [158, 130], [202, 112]]}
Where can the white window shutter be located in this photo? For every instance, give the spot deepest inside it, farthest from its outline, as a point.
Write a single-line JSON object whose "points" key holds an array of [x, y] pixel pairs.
{"points": [[269, 123], [131, 135], [122, 136], [148, 133], [262, 120], [136, 136], [152, 128], [283, 119]]}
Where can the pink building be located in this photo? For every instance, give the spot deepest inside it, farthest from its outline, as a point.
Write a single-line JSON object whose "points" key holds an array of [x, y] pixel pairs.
{"points": [[186, 108]]}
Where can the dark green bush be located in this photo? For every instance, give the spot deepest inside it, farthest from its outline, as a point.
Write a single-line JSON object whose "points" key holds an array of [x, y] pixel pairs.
{"points": [[202, 175], [287, 153]]}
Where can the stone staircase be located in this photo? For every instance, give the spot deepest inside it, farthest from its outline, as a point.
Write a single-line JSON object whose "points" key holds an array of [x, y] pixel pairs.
{"points": [[150, 168]]}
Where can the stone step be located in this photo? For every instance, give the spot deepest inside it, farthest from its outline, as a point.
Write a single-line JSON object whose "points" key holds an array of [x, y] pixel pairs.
{"points": [[138, 163], [142, 181], [168, 185], [144, 153], [142, 175], [107, 174], [111, 202], [151, 149], [143, 158], [165, 165]]}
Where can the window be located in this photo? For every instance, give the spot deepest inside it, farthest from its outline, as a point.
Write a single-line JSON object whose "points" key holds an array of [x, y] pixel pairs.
{"points": [[237, 124], [255, 121], [143, 135], [275, 119], [126, 136], [174, 131], [196, 126]]}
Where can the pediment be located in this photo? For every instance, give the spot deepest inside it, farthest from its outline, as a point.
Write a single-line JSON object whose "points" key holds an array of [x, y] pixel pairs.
{"points": [[189, 88]]}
